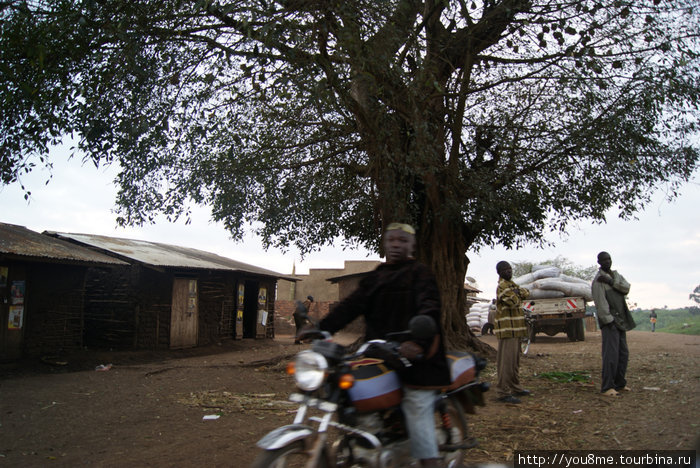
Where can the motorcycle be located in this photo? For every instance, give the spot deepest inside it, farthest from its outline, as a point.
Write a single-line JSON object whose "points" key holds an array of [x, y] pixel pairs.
{"points": [[349, 412]]}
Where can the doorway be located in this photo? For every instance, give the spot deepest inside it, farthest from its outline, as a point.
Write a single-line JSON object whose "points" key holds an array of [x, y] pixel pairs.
{"points": [[184, 315]]}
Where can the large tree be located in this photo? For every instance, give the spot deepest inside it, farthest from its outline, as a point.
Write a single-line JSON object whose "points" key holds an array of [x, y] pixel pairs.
{"points": [[479, 121]]}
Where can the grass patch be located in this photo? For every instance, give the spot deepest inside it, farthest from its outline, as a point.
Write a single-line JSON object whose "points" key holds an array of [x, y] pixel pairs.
{"points": [[680, 321]]}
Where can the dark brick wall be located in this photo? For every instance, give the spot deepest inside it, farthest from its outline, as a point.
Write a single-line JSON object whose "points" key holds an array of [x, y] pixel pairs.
{"points": [[130, 308], [109, 308], [53, 309]]}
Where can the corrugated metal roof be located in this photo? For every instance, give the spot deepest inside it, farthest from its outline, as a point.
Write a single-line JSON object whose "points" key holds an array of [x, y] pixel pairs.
{"points": [[23, 242], [470, 288], [336, 279], [165, 255]]}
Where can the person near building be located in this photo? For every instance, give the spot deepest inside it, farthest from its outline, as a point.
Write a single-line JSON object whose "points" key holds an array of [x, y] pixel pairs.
{"points": [[487, 329], [301, 316], [307, 303]]}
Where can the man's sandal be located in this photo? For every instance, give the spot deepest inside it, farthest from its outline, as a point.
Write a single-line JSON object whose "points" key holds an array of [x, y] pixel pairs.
{"points": [[611, 392]]}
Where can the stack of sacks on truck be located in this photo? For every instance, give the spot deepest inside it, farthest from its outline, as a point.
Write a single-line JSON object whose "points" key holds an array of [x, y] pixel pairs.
{"points": [[478, 315], [548, 282]]}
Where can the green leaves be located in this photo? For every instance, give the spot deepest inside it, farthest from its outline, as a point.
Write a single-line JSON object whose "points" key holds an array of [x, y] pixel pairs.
{"points": [[503, 121]]}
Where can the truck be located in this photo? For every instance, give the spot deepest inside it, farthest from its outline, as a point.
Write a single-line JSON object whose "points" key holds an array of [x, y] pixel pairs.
{"points": [[551, 316]]}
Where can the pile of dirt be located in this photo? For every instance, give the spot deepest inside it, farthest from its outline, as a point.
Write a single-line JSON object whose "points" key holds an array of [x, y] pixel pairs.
{"points": [[209, 406]]}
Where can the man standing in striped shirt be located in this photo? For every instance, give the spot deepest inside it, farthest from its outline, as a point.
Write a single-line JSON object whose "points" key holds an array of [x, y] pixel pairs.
{"points": [[509, 329]]}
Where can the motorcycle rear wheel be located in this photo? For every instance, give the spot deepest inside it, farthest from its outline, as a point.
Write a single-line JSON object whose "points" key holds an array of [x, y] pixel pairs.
{"points": [[457, 432], [293, 455]]}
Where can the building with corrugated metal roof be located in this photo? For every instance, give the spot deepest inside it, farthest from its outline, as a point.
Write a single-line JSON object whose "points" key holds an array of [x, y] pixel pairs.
{"points": [[42, 285], [126, 294]]}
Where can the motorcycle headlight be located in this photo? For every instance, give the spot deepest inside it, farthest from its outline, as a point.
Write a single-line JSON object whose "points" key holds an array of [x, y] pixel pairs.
{"points": [[310, 370]]}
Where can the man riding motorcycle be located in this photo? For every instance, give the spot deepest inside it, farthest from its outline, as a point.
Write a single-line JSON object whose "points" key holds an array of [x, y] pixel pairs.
{"points": [[388, 298]]}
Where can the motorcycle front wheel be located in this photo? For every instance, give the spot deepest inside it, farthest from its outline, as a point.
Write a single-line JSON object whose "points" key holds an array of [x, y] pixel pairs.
{"points": [[293, 455]]}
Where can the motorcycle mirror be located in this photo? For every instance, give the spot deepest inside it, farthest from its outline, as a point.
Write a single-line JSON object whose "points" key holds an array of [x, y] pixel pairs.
{"points": [[423, 327]]}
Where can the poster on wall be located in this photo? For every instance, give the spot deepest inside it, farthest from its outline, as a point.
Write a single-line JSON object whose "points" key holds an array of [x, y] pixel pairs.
{"points": [[241, 299], [17, 292], [15, 318], [241, 295], [262, 312], [3, 276]]}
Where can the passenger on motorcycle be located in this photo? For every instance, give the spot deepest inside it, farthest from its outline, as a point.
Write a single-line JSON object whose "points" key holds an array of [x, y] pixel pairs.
{"points": [[387, 298]]}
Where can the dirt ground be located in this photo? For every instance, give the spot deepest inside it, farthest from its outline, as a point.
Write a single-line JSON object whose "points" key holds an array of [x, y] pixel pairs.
{"points": [[149, 409]]}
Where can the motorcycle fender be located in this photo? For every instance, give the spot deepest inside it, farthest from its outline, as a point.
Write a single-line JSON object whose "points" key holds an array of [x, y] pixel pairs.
{"points": [[283, 436], [470, 397]]}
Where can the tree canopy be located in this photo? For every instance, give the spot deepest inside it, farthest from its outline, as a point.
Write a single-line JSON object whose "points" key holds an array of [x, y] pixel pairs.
{"points": [[480, 122], [695, 295]]}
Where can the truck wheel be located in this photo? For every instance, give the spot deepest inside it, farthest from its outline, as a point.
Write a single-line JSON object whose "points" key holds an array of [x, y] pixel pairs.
{"points": [[571, 330], [580, 330]]}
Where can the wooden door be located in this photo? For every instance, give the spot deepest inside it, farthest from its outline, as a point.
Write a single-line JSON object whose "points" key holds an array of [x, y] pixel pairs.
{"points": [[184, 315]]}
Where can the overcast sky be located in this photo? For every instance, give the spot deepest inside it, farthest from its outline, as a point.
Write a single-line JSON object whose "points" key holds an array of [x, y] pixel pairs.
{"points": [[659, 254]]}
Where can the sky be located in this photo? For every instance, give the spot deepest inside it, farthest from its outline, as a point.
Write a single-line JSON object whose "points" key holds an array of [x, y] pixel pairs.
{"points": [[659, 253]]}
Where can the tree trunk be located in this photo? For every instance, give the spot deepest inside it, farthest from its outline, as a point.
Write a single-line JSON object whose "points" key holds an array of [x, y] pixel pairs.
{"points": [[443, 249]]}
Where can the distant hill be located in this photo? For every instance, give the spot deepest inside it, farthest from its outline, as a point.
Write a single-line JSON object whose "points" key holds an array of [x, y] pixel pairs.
{"points": [[685, 321]]}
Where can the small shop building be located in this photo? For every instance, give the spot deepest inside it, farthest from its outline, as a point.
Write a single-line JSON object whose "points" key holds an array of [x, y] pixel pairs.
{"points": [[42, 291], [172, 296], [61, 292]]}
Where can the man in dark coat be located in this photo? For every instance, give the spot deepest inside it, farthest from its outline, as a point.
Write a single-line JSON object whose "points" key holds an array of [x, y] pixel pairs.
{"points": [[388, 298], [615, 320]]}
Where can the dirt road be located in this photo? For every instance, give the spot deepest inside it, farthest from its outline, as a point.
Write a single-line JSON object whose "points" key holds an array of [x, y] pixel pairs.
{"points": [[149, 408]]}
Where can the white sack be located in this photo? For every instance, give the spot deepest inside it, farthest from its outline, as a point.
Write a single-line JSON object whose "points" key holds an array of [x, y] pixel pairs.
{"points": [[525, 279], [582, 290], [549, 272], [545, 294], [473, 320], [573, 279], [552, 283]]}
